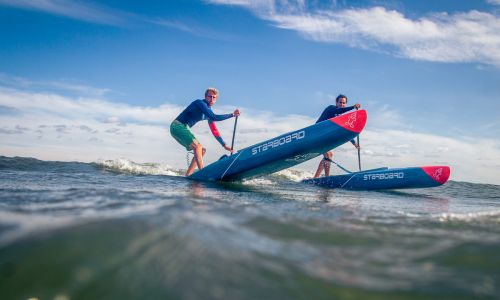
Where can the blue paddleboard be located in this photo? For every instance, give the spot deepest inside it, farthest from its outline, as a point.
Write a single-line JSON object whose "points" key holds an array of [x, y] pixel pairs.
{"points": [[384, 178], [286, 150]]}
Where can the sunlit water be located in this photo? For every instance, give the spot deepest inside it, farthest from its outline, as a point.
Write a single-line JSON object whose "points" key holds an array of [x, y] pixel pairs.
{"points": [[121, 230]]}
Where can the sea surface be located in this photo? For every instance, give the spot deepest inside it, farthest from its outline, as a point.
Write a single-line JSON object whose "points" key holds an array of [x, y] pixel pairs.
{"points": [[117, 229]]}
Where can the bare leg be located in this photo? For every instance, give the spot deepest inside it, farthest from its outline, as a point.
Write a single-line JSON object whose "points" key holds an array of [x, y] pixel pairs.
{"points": [[324, 165], [193, 163], [198, 157], [320, 169], [327, 163], [327, 167]]}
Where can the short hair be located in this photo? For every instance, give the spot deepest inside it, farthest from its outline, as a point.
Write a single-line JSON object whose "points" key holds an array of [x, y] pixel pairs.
{"points": [[213, 90], [340, 97]]}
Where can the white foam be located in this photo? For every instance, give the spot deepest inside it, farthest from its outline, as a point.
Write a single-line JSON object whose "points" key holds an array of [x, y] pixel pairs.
{"points": [[470, 216], [289, 174], [453, 216], [259, 181], [122, 165], [294, 175]]}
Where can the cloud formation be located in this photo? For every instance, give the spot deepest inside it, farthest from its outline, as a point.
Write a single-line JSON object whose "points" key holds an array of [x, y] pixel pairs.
{"points": [[92, 13], [467, 37], [49, 126], [472, 36], [79, 10], [59, 85], [493, 2]]}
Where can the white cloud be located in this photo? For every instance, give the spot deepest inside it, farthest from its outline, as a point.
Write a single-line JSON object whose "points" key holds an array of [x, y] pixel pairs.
{"points": [[493, 2], [472, 36], [387, 117], [191, 28], [52, 127], [79, 10], [60, 85], [93, 13], [174, 24]]}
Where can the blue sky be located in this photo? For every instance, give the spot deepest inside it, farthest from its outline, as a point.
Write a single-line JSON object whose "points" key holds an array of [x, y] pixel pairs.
{"points": [[424, 71]]}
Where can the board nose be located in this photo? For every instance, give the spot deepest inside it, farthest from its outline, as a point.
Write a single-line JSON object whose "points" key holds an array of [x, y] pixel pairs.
{"points": [[438, 173], [354, 121]]}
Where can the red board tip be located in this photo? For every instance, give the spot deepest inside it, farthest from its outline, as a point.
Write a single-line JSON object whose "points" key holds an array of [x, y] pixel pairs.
{"points": [[438, 173], [354, 121]]}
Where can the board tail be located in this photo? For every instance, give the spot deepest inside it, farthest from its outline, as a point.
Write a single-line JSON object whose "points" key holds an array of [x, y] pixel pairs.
{"points": [[438, 173]]}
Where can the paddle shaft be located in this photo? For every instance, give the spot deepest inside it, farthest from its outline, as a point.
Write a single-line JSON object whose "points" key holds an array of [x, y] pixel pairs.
{"points": [[234, 131], [359, 153]]}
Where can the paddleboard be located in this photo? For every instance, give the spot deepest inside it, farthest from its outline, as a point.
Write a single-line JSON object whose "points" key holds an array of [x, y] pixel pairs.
{"points": [[385, 178], [286, 150]]}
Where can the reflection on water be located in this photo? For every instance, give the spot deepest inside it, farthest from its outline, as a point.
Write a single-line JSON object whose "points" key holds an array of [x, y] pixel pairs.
{"points": [[197, 189]]}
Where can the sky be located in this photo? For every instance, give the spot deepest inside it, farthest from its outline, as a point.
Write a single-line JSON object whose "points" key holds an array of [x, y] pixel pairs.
{"points": [[98, 80]]}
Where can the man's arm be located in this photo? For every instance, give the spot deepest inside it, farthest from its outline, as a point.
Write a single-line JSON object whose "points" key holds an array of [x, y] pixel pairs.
{"points": [[210, 114], [326, 113], [216, 133], [341, 110], [217, 136]]}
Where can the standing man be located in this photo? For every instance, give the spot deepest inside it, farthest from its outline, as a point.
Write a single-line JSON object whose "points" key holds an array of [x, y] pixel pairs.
{"points": [[196, 111], [330, 112]]}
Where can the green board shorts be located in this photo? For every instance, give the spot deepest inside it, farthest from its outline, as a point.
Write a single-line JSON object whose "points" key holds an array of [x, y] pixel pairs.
{"points": [[181, 133]]}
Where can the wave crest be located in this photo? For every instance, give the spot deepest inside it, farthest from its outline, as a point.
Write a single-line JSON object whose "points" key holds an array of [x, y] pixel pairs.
{"points": [[126, 166]]}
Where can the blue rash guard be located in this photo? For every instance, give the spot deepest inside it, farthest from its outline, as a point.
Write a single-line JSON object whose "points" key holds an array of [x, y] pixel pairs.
{"points": [[333, 111], [199, 110]]}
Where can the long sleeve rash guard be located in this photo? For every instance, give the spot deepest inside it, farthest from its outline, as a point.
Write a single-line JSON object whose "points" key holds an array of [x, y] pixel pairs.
{"points": [[199, 110], [333, 111]]}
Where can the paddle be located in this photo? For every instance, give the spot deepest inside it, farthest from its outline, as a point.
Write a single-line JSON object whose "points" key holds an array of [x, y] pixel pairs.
{"points": [[232, 142], [359, 154], [337, 164], [359, 148], [234, 132]]}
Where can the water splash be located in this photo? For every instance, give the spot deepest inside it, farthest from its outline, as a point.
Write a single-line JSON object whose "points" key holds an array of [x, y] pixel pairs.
{"points": [[126, 166]]}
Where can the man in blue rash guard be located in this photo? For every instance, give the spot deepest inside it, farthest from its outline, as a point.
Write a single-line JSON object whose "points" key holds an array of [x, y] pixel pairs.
{"points": [[196, 111], [330, 112]]}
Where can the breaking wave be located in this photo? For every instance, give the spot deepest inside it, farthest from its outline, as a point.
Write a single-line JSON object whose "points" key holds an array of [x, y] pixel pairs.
{"points": [[126, 166]]}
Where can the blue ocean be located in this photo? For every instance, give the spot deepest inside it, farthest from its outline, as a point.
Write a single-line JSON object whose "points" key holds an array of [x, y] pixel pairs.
{"points": [[116, 229]]}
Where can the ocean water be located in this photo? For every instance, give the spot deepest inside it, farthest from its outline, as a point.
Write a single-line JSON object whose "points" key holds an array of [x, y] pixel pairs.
{"points": [[121, 230]]}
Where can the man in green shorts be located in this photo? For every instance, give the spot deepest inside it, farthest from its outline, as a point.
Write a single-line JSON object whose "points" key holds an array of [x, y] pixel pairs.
{"points": [[196, 111]]}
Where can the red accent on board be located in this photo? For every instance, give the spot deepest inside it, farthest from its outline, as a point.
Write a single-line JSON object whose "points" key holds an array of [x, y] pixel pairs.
{"points": [[354, 121], [438, 173]]}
